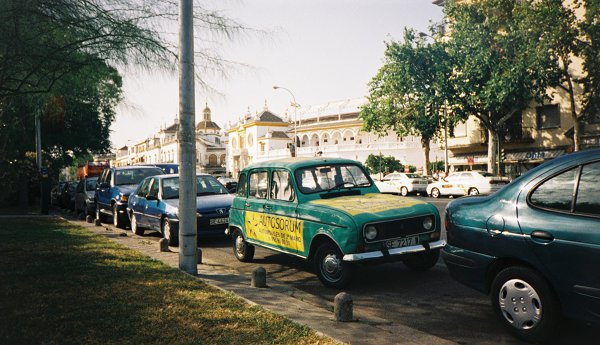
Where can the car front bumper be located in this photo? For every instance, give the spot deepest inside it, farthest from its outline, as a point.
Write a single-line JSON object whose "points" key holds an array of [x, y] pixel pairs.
{"points": [[396, 252]]}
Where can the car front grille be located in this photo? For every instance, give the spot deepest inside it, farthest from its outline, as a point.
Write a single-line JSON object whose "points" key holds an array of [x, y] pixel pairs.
{"points": [[400, 228]]}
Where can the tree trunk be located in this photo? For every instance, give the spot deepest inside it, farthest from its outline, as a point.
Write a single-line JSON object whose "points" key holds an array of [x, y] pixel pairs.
{"points": [[492, 152], [576, 124], [425, 145]]}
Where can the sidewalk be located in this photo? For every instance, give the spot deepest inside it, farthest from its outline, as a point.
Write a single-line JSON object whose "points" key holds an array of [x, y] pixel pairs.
{"points": [[279, 298]]}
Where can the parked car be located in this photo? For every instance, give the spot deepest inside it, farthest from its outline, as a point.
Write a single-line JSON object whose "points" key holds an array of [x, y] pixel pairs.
{"points": [[168, 168], [402, 183], [154, 205], [328, 210], [534, 246], [55, 194], [113, 189], [229, 183], [67, 196], [85, 201], [466, 183]]}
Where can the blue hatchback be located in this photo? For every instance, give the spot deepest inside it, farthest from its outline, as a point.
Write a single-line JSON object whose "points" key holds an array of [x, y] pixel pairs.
{"points": [[155, 205], [534, 246]]}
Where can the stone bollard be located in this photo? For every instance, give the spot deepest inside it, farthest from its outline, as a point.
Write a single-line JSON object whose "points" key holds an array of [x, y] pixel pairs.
{"points": [[199, 256], [259, 278], [163, 245], [89, 218], [343, 307]]}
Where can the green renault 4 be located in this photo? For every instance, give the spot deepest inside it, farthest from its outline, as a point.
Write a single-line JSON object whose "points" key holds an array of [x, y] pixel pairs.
{"points": [[329, 211]]}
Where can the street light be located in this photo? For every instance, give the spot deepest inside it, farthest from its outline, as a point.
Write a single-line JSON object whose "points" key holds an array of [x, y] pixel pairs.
{"points": [[295, 105]]}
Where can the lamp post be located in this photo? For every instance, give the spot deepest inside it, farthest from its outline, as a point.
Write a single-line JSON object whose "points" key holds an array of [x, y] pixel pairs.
{"points": [[295, 105]]}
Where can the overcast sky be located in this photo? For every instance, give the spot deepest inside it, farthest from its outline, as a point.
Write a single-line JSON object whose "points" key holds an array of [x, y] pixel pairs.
{"points": [[322, 50]]}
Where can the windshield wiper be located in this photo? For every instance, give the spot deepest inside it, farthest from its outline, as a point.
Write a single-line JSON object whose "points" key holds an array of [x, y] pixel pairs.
{"points": [[352, 185]]}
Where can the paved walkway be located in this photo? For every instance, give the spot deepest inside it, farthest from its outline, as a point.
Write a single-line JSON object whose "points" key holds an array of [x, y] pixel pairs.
{"points": [[279, 298]]}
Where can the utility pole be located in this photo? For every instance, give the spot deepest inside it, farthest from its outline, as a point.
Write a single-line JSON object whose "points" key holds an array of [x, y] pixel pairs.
{"points": [[188, 245], [42, 171]]}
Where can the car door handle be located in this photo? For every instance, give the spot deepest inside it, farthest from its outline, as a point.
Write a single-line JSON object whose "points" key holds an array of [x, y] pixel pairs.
{"points": [[542, 235], [266, 207]]}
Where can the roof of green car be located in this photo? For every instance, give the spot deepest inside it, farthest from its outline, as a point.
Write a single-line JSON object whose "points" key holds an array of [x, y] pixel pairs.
{"points": [[299, 162]]}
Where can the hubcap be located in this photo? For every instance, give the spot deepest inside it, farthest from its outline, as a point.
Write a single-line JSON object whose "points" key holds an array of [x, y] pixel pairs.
{"points": [[404, 191], [435, 193], [239, 245], [167, 230], [331, 266], [520, 304], [133, 223], [115, 216], [474, 191]]}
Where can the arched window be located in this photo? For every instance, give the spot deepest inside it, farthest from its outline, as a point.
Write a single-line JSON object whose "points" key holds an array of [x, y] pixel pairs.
{"points": [[212, 160]]}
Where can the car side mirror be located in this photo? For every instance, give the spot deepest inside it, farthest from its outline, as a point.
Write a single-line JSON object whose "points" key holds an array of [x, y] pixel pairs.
{"points": [[104, 185], [151, 197]]}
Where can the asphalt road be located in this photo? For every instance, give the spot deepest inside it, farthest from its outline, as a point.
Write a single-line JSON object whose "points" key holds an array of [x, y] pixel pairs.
{"points": [[427, 301]]}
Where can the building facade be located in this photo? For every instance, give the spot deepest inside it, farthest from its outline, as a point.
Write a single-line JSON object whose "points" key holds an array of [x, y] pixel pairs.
{"points": [[163, 147], [333, 129]]}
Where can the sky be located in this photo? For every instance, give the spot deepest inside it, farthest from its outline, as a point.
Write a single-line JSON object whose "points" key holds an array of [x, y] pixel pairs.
{"points": [[321, 50]]}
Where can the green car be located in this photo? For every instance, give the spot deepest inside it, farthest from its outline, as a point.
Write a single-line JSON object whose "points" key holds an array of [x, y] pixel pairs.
{"points": [[329, 211]]}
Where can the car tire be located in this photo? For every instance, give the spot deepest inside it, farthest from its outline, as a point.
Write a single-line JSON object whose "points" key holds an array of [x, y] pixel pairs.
{"points": [[473, 191], [422, 261], [242, 250], [525, 303], [435, 193], [332, 271], [117, 219], [134, 225], [404, 191], [169, 232]]}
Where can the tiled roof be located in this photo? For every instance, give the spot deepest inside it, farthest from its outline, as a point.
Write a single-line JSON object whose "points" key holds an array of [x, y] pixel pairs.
{"points": [[207, 125]]}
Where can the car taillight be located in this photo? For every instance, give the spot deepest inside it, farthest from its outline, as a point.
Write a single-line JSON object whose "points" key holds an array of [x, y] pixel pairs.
{"points": [[415, 182], [446, 221]]}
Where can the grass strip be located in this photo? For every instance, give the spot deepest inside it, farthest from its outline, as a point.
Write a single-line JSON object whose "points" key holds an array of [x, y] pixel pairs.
{"points": [[62, 284]]}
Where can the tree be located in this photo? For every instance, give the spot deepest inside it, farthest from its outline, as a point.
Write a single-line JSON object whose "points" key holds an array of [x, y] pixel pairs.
{"points": [[561, 36], [410, 90], [377, 164], [498, 67], [590, 53]]}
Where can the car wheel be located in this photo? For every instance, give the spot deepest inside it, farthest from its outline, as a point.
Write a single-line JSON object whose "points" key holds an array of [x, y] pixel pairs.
{"points": [[404, 191], [134, 226], [435, 193], [524, 302], [169, 232], [331, 269], [242, 250], [473, 191], [422, 261], [117, 220]]}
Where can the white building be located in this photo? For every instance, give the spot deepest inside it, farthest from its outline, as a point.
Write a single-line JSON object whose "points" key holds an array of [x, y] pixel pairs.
{"points": [[330, 130], [163, 147]]}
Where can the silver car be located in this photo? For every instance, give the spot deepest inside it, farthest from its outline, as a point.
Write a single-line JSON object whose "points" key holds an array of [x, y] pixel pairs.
{"points": [[467, 183], [402, 183]]}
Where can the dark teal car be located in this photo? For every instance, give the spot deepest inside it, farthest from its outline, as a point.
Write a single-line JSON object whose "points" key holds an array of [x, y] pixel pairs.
{"points": [[154, 205], [534, 246]]}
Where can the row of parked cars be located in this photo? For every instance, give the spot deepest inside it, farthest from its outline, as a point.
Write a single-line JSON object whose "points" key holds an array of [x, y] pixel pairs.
{"points": [[532, 245], [456, 184]]}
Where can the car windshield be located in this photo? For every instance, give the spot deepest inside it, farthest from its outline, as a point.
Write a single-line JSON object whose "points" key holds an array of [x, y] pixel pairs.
{"points": [[205, 185], [331, 177], [134, 176], [413, 176], [90, 183]]}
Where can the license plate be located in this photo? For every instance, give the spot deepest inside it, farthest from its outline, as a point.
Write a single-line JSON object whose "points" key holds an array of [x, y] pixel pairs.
{"points": [[402, 242], [217, 221]]}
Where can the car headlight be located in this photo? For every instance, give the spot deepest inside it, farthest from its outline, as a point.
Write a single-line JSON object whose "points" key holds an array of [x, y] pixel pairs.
{"points": [[428, 223], [370, 232]]}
